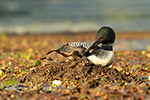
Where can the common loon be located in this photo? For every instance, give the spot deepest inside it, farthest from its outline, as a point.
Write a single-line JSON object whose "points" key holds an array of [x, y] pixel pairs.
{"points": [[99, 52]]}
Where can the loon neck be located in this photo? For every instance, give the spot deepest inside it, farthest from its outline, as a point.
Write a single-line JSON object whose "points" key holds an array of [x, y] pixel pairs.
{"points": [[107, 47]]}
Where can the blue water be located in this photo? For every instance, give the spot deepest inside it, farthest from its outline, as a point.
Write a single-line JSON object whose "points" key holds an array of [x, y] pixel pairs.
{"points": [[141, 44], [73, 15]]}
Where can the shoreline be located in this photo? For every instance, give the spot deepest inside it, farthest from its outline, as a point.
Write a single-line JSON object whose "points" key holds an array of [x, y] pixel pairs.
{"points": [[124, 40], [119, 35]]}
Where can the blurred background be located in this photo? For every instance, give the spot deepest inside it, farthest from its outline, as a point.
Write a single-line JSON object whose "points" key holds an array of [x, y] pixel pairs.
{"points": [[36, 16]]}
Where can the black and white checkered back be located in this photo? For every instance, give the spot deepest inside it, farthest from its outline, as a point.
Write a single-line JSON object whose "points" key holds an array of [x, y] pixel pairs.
{"points": [[84, 44]]}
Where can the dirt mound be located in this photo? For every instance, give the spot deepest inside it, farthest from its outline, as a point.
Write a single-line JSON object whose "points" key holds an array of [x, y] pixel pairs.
{"points": [[76, 71]]}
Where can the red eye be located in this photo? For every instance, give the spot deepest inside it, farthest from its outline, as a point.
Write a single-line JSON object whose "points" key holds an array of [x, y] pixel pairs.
{"points": [[101, 38]]}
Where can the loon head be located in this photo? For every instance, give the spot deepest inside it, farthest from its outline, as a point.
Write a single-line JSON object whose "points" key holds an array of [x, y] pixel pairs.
{"points": [[105, 35]]}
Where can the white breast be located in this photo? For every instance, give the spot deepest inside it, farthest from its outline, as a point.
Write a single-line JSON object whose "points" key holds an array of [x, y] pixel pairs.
{"points": [[106, 60]]}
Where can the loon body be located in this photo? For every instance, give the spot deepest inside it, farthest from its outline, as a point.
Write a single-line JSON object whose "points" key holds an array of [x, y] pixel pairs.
{"points": [[68, 51], [99, 52], [102, 56]]}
